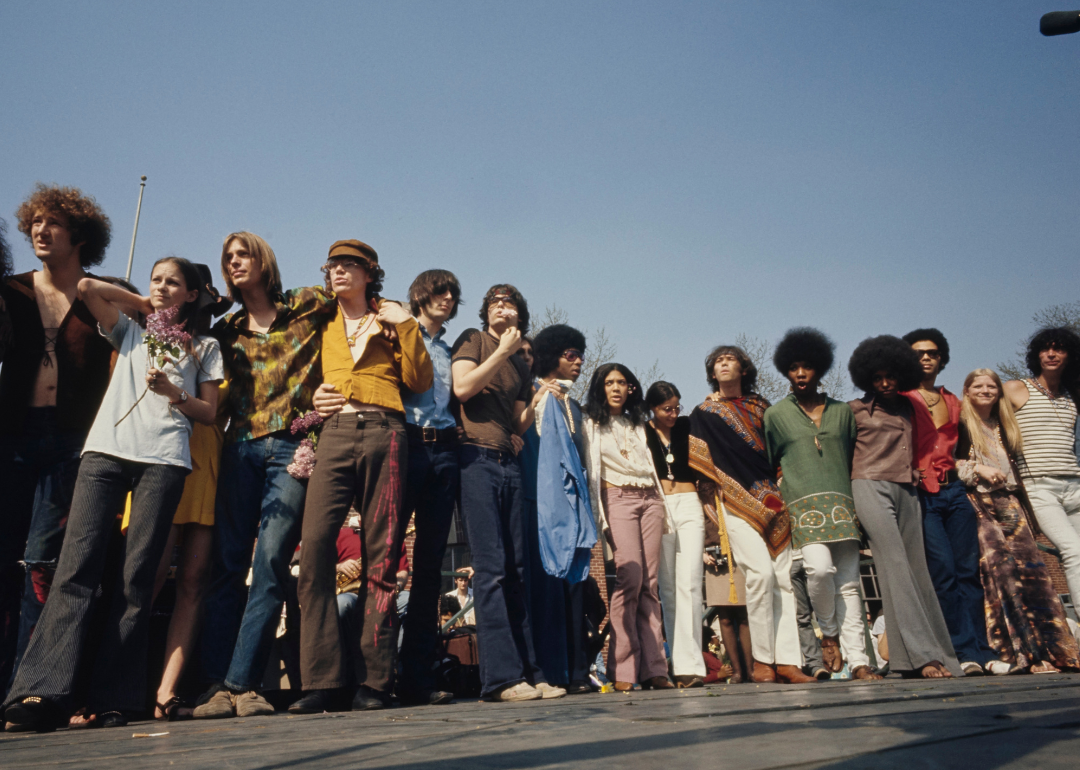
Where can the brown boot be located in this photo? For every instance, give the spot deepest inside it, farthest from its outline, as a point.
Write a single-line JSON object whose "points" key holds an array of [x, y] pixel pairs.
{"points": [[624, 686], [763, 673], [792, 675], [830, 652]]}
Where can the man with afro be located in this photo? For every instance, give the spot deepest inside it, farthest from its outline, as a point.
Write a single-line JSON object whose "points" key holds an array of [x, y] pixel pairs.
{"points": [[1045, 405], [557, 606], [884, 484], [55, 373], [950, 528], [811, 437]]}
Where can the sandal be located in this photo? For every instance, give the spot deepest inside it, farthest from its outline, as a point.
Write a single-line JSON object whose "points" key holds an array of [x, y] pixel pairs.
{"points": [[171, 710], [112, 719], [86, 721]]}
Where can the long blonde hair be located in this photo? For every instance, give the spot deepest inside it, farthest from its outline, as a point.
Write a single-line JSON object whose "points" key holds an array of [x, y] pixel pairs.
{"points": [[1002, 411]]}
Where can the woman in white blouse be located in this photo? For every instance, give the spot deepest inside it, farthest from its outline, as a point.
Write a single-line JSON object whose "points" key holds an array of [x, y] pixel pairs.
{"points": [[629, 508]]}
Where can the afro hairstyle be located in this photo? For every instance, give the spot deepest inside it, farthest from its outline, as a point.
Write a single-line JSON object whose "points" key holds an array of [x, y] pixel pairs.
{"points": [[549, 345], [930, 335], [807, 345], [885, 353]]}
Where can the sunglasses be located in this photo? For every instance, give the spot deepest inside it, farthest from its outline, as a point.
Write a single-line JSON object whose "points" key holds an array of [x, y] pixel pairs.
{"points": [[934, 354], [573, 355], [670, 409]]}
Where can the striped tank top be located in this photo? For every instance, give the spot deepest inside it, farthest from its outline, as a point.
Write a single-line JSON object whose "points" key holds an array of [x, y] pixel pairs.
{"points": [[1049, 432]]}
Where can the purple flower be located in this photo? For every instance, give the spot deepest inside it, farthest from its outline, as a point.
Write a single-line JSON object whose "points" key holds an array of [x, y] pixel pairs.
{"points": [[303, 460], [164, 337], [162, 326], [305, 423]]}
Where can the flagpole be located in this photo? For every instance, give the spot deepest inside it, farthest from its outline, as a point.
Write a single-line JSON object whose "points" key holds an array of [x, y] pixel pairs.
{"points": [[135, 232]]}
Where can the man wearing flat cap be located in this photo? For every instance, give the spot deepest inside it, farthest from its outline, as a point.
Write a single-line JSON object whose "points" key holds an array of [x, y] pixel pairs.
{"points": [[361, 460]]}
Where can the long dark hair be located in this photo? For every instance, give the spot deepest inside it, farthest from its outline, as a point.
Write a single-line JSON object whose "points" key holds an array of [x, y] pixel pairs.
{"points": [[596, 403], [1062, 338]]}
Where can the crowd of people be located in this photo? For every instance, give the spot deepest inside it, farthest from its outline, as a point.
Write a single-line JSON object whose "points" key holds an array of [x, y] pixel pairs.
{"points": [[231, 428]]}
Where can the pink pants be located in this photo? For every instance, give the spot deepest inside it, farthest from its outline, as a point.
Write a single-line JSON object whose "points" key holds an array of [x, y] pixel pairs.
{"points": [[636, 518]]}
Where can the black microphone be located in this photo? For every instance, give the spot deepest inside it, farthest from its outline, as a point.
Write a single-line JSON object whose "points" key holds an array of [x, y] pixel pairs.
{"points": [[1060, 23]]}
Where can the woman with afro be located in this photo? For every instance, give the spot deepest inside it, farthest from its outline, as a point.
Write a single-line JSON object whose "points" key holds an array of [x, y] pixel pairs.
{"points": [[883, 483], [811, 438]]}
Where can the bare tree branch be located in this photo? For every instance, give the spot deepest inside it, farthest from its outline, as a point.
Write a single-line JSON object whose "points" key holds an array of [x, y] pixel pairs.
{"points": [[769, 382]]}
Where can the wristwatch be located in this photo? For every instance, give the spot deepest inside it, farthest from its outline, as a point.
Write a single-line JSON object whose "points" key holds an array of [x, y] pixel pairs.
{"points": [[183, 399]]}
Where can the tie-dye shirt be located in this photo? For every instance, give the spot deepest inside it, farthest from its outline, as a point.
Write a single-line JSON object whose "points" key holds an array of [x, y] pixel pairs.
{"points": [[272, 376]]}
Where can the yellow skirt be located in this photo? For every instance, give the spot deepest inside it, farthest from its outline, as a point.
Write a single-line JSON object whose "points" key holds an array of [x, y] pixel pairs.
{"points": [[200, 487]]}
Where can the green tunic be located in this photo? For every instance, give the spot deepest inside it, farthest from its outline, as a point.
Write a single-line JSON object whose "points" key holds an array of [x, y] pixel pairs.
{"points": [[815, 464]]}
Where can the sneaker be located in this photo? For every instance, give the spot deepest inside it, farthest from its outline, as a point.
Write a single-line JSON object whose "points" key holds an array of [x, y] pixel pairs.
{"points": [[216, 703], [518, 692], [971, 668], [550, 691], [251, 704]]}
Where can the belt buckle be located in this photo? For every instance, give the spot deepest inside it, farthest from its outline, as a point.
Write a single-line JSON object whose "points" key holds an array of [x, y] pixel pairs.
{"points": [[428, 435]]}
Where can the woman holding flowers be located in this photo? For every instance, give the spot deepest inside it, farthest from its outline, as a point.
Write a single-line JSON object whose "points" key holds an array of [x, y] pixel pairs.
{"points": [[164, 379]]}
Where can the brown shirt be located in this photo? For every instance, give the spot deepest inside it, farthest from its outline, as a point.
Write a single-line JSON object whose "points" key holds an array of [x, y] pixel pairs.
{"points": [[885, 444], [83, 361], [488, 417]]}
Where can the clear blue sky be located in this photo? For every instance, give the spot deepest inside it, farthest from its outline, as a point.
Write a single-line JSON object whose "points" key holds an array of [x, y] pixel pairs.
{"points": [[675, 172]]}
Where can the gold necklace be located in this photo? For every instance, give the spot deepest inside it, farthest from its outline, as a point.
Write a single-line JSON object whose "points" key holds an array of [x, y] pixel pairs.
{"points": [[565, 399], [351, 338], [624, 448]]}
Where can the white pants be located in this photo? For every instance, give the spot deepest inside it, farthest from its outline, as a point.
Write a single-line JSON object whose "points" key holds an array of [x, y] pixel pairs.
{"points": [[770, 604], [1056, 500], [681, 572], [832, 580]]}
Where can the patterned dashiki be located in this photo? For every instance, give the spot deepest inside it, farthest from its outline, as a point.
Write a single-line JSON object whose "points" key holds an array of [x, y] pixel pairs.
{"points": [[815, 469], [728, 448], [273, 376], [1025, 620]]}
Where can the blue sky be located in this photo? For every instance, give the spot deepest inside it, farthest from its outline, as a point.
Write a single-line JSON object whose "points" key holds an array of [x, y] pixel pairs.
{"points": [[675, 172]]}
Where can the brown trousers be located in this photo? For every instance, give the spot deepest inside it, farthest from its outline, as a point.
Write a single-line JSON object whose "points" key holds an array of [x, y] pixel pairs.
{"points": [[361, 459]]}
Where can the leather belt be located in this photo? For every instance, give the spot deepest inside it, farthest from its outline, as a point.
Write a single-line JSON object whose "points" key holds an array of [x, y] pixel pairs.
{"points": [[431, 435]]}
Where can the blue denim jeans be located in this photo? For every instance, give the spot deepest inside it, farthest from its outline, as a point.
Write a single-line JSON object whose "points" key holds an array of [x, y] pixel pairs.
{"points": [[38, 470], [950, 531], [257, 499], [431, 491], [493, 505]]}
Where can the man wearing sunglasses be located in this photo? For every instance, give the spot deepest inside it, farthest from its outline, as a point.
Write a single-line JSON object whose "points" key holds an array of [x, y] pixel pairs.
{"points": [[949, 524], [431, 489], [494, 389], [560, 522]]}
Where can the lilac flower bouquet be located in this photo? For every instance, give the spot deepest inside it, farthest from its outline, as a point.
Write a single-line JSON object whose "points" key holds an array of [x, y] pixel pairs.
{"points": [[304, 457], [164, 338]]}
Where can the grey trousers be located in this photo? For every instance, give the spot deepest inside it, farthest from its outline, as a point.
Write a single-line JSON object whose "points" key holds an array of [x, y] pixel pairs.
{"points": [[49, 667], [808, 641], [892, 517]]}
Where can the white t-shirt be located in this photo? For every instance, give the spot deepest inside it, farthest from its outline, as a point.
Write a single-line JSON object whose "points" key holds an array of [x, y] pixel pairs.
{"points": [[153, 432], [469, 618]]}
